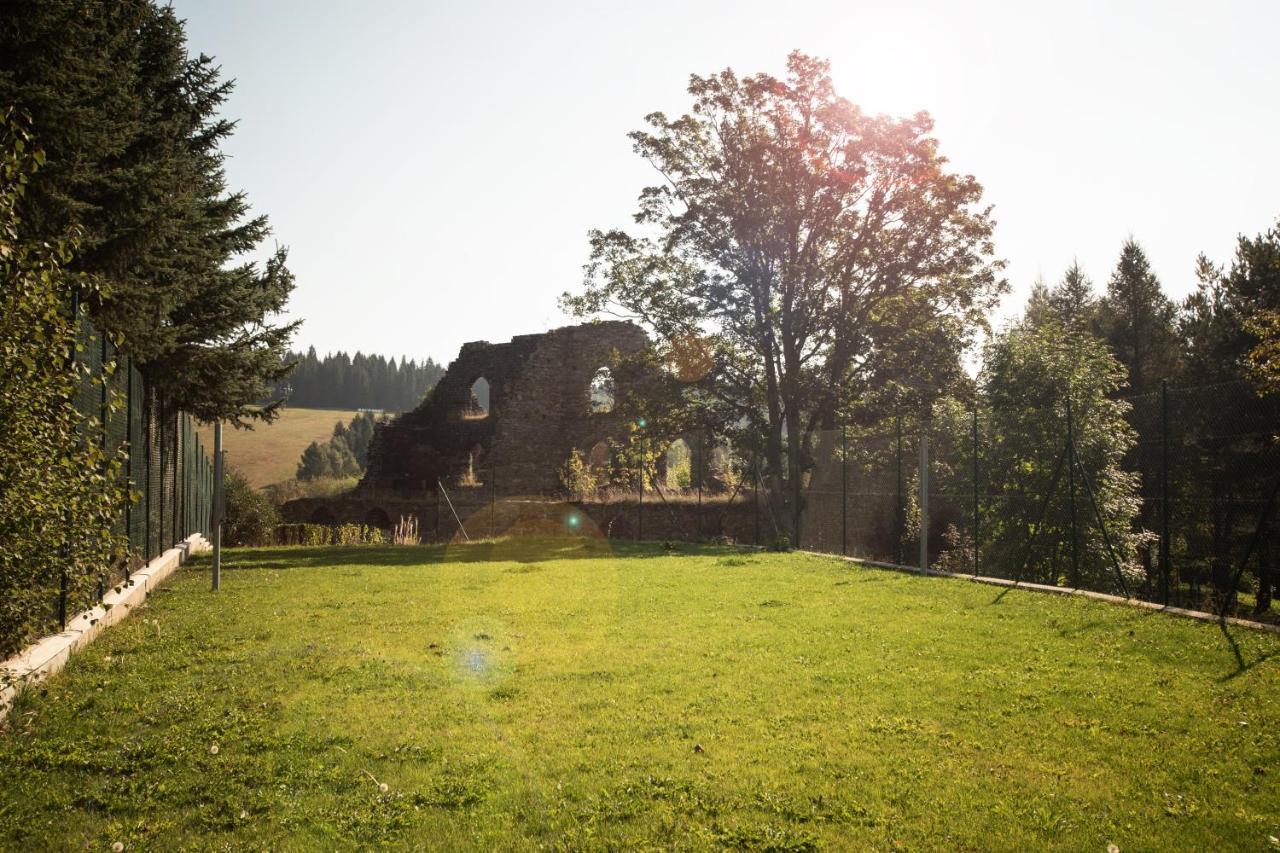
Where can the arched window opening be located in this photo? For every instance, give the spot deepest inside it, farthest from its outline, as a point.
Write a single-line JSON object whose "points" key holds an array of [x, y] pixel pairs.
{"points": [[477, 405], [679, 466], [378, 518], [602, 392]]}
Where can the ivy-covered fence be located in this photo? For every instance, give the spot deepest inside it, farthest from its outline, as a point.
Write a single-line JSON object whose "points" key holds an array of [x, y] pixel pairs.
{"points": [[160, 462], [97, 475]]}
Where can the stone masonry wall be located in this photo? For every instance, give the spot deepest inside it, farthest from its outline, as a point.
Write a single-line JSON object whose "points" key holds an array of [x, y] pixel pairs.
{"points": [[539, 411]]}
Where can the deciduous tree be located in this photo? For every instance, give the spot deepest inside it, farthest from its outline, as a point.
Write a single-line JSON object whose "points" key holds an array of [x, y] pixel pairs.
{"points": [[1029, 374], [799, 236]]}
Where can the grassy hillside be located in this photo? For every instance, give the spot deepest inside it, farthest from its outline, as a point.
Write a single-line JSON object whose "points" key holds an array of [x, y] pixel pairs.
{"points": [[526, 696], [269, 452]]}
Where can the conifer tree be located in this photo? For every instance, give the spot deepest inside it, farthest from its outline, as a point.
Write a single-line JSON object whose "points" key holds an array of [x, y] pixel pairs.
{"points": [[1138, 321], [1071, 302], [1074, 299], [130, 123]]}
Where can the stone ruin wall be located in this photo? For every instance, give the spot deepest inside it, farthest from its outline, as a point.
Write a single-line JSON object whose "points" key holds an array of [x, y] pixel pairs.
{"points": [[539, 411]]}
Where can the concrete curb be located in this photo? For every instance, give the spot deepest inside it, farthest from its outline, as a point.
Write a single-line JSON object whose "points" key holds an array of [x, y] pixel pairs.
{"points": [[48, 655], [1198, 615]]}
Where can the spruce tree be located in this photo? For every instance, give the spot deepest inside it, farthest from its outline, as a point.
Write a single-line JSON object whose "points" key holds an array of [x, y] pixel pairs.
{"points": [[1138, 321], [1074, 300], [130, 125], [1071, 303]]}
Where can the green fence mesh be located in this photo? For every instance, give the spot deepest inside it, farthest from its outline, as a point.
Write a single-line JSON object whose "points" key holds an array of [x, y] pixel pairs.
{"points": [[169, 476]]}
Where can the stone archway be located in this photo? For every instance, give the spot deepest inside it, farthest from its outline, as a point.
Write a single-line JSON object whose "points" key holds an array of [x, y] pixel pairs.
{"points": [[477, 405]]}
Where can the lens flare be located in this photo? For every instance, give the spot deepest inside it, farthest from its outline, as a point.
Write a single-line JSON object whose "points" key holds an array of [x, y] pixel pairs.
{"points": [[525, 529]]}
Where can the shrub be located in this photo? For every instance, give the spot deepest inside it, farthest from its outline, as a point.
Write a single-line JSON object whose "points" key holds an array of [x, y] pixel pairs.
{"points": [[250, 517], [576, 477], [302, 534], [315, 535], [356, 534], [957, 556]]}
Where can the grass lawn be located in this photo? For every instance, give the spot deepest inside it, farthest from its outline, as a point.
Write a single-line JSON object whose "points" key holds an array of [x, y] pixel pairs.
{"points": [[269, 453], [514, 696]]}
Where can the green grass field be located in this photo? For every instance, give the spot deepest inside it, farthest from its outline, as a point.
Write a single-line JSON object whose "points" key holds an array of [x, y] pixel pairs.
{"points": [[269, 453], [559, 695]]}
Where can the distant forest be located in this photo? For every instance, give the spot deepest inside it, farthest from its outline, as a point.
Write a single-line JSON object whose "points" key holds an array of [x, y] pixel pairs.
{"points": [[341, 381]]}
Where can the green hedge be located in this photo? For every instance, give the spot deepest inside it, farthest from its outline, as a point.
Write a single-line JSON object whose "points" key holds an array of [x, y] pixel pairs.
{"points": [[324, 534]]}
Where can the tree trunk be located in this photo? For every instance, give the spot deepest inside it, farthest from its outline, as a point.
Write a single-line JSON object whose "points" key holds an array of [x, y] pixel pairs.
{"points": [[773, 440], [791, 413], [794, 473]]}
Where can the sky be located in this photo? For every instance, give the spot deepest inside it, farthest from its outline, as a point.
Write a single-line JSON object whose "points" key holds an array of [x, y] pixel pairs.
{"points": [[434, 168]]}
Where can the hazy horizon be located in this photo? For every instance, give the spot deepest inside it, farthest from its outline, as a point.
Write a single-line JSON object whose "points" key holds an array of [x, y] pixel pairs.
{"points": [[445, 163]]}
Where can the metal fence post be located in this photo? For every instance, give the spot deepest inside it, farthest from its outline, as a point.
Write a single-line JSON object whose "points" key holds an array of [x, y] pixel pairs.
{"points": [[1071, 487], [205, 490], [188, 481], [103, 414], [160, 517], [1165, 574], [66, 547], [128, 462], [185, 527], [924, 500], [640, 503], [174, 496], [755, 490], [493, 501], [146, 458], [702, 434], [976, 529], [218, 498], [844, 489], [900, 513]]}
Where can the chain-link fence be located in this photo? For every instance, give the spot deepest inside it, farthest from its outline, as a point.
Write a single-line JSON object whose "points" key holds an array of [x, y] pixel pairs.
{"points": [[1175, 503], [164, 465], [1169, 496]]}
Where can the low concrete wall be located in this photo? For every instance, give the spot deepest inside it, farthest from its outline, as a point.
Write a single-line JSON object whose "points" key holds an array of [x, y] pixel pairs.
{"points": [[1198, 615], [45, 657]]}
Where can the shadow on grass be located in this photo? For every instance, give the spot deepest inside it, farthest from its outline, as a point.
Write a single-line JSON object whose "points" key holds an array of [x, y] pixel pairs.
{"points": [[1241, 666], [505, 550]]}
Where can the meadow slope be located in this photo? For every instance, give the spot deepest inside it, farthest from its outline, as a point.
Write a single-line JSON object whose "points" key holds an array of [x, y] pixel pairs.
{"points": [[269, 453]]}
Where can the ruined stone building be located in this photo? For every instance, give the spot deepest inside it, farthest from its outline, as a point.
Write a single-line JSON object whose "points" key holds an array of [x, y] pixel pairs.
{"points": [[497, 429], [512, 412]]}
